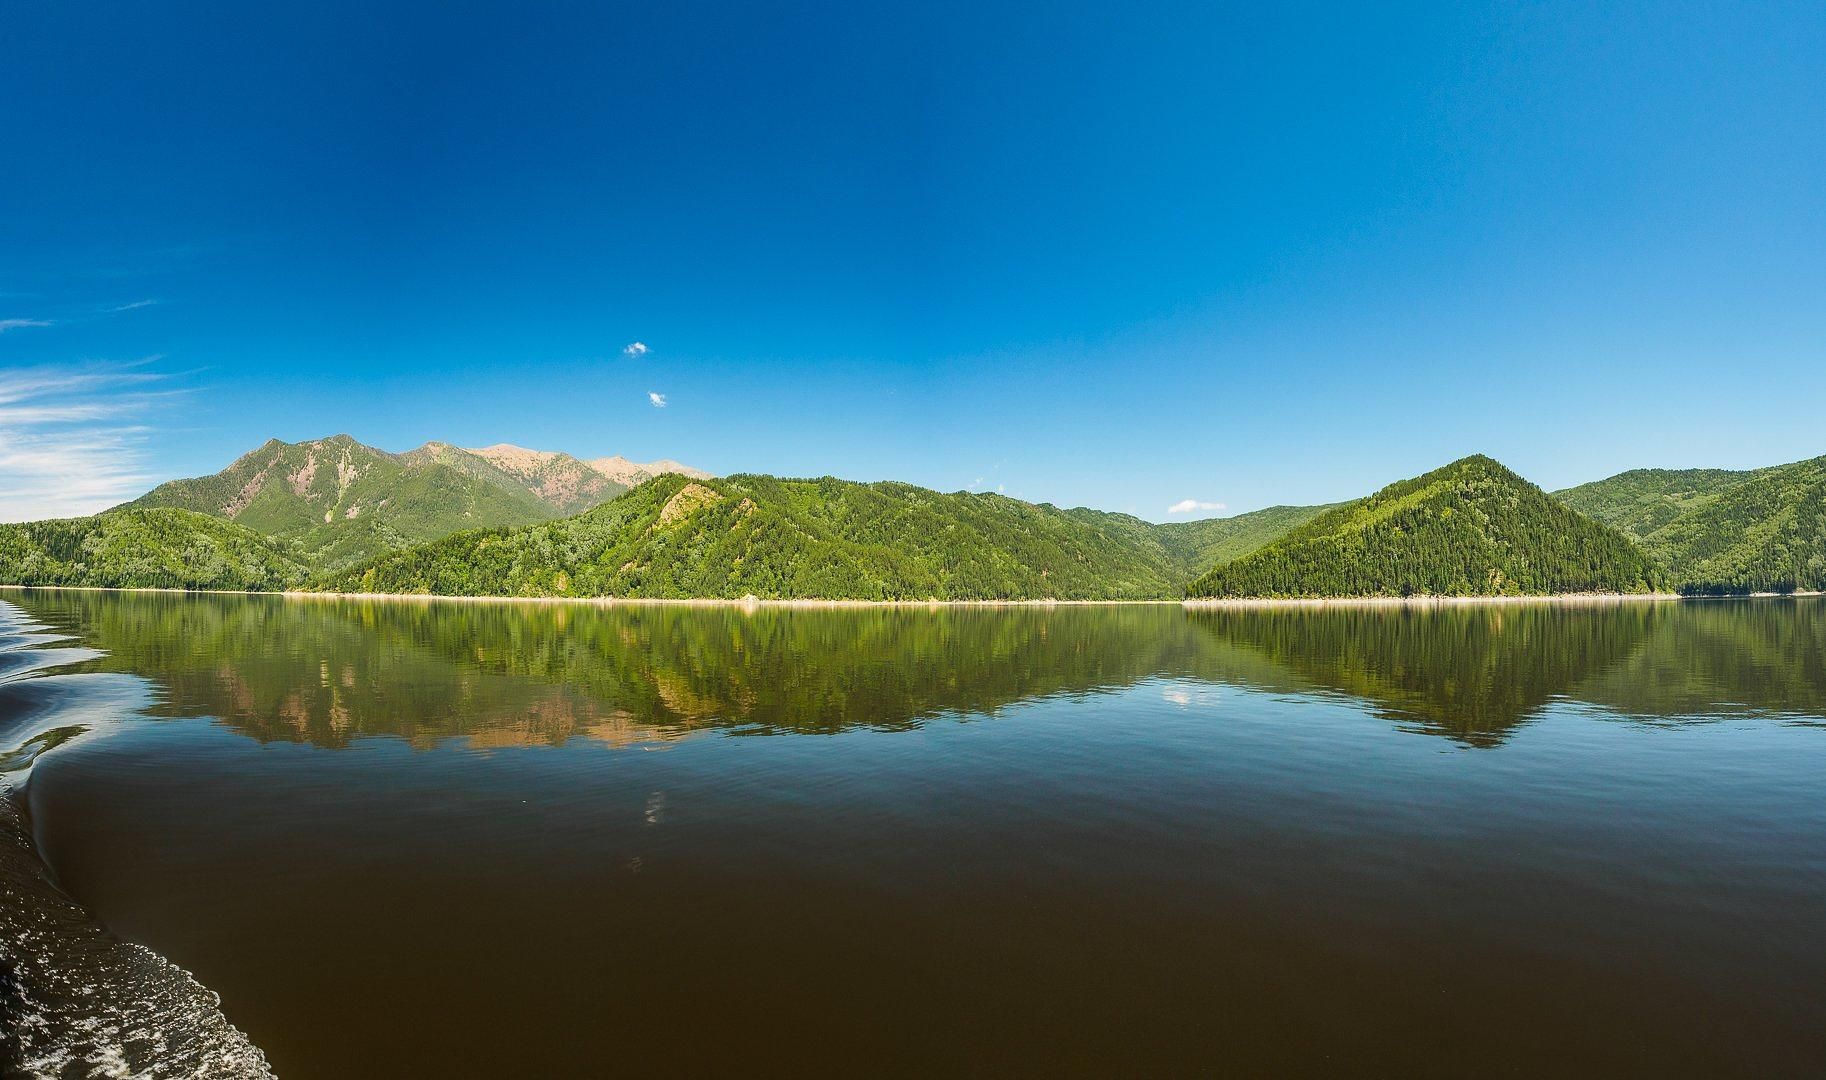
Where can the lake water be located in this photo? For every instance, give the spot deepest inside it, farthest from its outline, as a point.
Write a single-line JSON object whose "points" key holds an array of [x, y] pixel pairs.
{"points": [[406, 839]]}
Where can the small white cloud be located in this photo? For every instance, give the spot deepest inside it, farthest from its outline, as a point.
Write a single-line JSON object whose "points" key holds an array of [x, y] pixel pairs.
{"points": [[1193, 506], [134, 306], [634, 349], [658, 400], [20, 324]]}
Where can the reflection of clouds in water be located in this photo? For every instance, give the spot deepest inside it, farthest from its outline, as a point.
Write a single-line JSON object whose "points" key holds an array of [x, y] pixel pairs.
{"points": [[656, 808], [1186, 695]]}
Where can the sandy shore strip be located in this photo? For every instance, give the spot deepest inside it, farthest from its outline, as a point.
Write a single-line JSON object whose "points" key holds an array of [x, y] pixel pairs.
{"points": [[1428, 601], [601, 601], [1193, 603], [1454, 601], [743, 602]]}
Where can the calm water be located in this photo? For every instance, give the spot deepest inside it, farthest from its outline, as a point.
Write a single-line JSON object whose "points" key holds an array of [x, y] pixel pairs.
{"points": [[450, 840]]}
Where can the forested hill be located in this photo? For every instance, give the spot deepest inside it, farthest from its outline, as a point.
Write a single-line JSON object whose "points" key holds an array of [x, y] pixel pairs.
{"points": [[1766, 532], [1720, 530], [796, 539], [294, 513], [1641, 501], [158, 548], [1472, 528]]}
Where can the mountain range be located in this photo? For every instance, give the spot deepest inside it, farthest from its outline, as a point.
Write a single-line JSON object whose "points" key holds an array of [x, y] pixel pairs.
{"points": [[334, 514], [341, 502], [823, 538]]}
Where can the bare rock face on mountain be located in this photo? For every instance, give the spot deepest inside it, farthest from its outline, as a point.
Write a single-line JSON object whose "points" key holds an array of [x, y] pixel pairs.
{"points": [[555, 477], [633, 473], [337, 501]]}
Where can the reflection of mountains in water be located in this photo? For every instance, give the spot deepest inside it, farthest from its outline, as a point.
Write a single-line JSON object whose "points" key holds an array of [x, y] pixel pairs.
{"points": [[328, 671], [1473, 672], [1468, 671]]}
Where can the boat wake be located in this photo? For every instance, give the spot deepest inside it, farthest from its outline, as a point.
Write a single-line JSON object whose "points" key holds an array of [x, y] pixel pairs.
{"points": [[75, 1000]]}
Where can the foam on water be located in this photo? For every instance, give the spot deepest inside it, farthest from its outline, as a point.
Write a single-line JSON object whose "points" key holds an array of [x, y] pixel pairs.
{"points": [[76, 1001]]}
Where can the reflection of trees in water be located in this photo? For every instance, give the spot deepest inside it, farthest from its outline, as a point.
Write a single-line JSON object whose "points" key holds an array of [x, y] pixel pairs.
{"points": [[327, 671], [1730, 656], [1474, 672], [1471, 672]]}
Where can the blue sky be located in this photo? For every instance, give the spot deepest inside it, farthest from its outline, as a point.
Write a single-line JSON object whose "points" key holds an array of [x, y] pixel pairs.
{"points": [[1125, 256]]}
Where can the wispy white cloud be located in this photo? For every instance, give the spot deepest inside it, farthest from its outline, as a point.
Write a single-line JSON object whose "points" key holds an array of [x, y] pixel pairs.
{"points": [[46, 382], [634, 349], [1193, 506], [20, 324], [658, 400], [70, 412], [70, 440], [134, 306]]}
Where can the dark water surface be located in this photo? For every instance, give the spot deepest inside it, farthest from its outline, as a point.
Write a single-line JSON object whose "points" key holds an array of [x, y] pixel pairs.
{"points": [[493, 840]]}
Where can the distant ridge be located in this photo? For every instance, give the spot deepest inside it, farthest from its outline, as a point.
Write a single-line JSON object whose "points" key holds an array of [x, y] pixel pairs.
{"points": [[1204, 544], [1641, 501], [634, 473], [556, 478], [1471, 528]]}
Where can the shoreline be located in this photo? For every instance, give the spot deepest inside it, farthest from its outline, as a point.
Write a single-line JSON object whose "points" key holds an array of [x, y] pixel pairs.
{"points": [[1190, 603], [1573, 599], [596, 601], [1440, 601]]}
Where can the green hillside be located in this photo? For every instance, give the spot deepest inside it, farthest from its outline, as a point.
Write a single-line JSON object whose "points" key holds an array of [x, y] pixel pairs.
{"points": [[1719, 530], [1641, 501], [156, 548], [811, 539], [343, 502], [1472, 528], [1764, 533], [1200, 545], [442, 519]]}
